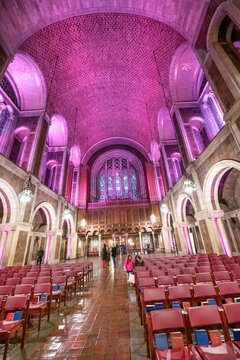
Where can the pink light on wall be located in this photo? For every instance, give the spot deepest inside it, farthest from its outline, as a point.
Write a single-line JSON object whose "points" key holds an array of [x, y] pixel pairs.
{"points": [[186, 237], [170, 239], [2, 251], [69, 246], [222, 235], [49, 238], [75, 155]]}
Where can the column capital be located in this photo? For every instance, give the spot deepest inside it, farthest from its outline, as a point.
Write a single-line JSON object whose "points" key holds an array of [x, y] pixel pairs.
{"points": [[49, 233], [7, 227], [215, 214]]}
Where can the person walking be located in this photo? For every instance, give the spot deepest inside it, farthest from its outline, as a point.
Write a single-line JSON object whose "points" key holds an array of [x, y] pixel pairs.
{"points": [[104, 255], [114, 255], [40, 254]]}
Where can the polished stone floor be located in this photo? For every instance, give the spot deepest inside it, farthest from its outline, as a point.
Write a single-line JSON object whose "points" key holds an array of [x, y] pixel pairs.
{"points": [[100, 323]]}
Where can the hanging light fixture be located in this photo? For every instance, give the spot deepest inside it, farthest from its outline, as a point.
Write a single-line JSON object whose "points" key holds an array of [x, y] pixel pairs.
{"points": [[188, 186], [26, 193], [153, 218], [83, 223], [164, 208]]}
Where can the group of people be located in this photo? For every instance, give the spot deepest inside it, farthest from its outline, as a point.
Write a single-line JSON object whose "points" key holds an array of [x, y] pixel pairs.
{"points": [[106, 255], [131, 263]]}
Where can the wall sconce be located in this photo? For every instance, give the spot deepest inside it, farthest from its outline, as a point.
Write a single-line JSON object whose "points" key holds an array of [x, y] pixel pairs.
{"points": [[164, 209], [153, 219], [26, 193], [188, 186], [83, 223]]}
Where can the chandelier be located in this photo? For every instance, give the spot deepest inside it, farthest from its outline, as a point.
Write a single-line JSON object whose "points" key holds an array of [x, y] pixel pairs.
{"points": [[26, 193], [188, 186]]}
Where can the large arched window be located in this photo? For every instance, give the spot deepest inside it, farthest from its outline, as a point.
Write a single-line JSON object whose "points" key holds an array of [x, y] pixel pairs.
{"points": [[117, 179]]}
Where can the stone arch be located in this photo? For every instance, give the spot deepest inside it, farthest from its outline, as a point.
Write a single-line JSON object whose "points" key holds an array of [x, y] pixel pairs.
{"points": [[181, 206], [27, 80], [10, 203], [49, 212], [58, 131], [212, 181]]}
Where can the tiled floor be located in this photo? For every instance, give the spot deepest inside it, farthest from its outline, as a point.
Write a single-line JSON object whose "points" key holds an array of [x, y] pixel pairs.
{"points": [[102, 323]]}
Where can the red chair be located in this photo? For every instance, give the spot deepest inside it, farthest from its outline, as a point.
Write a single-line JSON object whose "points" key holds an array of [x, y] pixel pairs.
{"points": [[6, 290], [28, 281], [13, 281], [158, 272], [7, 330], [204, 269], [203, 278], [233, 267], [146, 283], [189, 270], [165, 321], [23, 290], [165, 280], [218, 268], [150, 297], [184, 279], [201, 292], [59, 294], [173, 272], [221, 276], [44, 280], [179, 293], [235, 274], [232, 316], [209, 317], [41, 289], [142, 274], [229, 289]]}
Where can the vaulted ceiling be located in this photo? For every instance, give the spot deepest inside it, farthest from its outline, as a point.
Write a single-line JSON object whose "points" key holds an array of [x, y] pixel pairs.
{"points": [[113, 64]]}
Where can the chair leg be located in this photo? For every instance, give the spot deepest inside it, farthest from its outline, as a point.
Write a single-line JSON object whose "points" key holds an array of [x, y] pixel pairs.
{"points": [[49, 310], [6, 347], [40, 320], [24, 333]]}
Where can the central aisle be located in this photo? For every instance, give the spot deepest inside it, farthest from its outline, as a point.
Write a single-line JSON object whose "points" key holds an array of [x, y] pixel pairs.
{"points": [[94, 325]]}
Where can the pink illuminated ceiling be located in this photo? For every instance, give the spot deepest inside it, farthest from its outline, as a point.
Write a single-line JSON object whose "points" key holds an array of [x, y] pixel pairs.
{"points": [[107, 70], [19, 19]]}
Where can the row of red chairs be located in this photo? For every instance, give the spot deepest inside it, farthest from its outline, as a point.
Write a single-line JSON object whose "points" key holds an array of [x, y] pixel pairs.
{"points": [[205, 317], [18, 297]]}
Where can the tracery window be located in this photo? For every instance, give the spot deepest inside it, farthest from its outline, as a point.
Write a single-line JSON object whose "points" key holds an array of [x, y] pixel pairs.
{"points": [[117, 179]]}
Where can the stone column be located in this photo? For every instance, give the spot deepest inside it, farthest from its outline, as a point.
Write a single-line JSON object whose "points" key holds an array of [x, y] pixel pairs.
{"points": [[99, 244], [69, 246], [3, 243], [154, 242], [140, 241], [166, 239], [86, 245], [232, 235], [49, 242], [157, 182]]}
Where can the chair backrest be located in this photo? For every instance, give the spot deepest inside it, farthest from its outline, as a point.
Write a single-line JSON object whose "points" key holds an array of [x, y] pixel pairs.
{"points": [[184, 279], [32, 274], [167, 319], [236, 274], [140, 268], [57, 273], [156, 273], [219, 268], [203, 277], [228, 288], [28, 280], [42, 288], [204, 269], [44, 280], [179, 292], [232, 312], [23, 289], [143, 274], [6, 290], [13, 281], [221, 275], [2, 281], [173, 272], [189, 270], [18, 275], [146, 282], [16, 302], [204, 316], [165, 280], [204, 290], [233, 267], [44, 273], [59, 279], [154, 295]]}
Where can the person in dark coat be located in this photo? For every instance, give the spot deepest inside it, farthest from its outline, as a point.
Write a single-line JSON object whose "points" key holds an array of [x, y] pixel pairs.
{"points": [[114, 255], [138, 261], [108, 256], [40, 254], [104, 255]]}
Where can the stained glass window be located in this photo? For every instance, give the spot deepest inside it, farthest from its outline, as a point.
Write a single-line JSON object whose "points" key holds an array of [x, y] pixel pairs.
{"points": [[117, 178], [101, 186], [118, 185], [125, 186], [110, 186], [134, 185], [3, 118]]}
